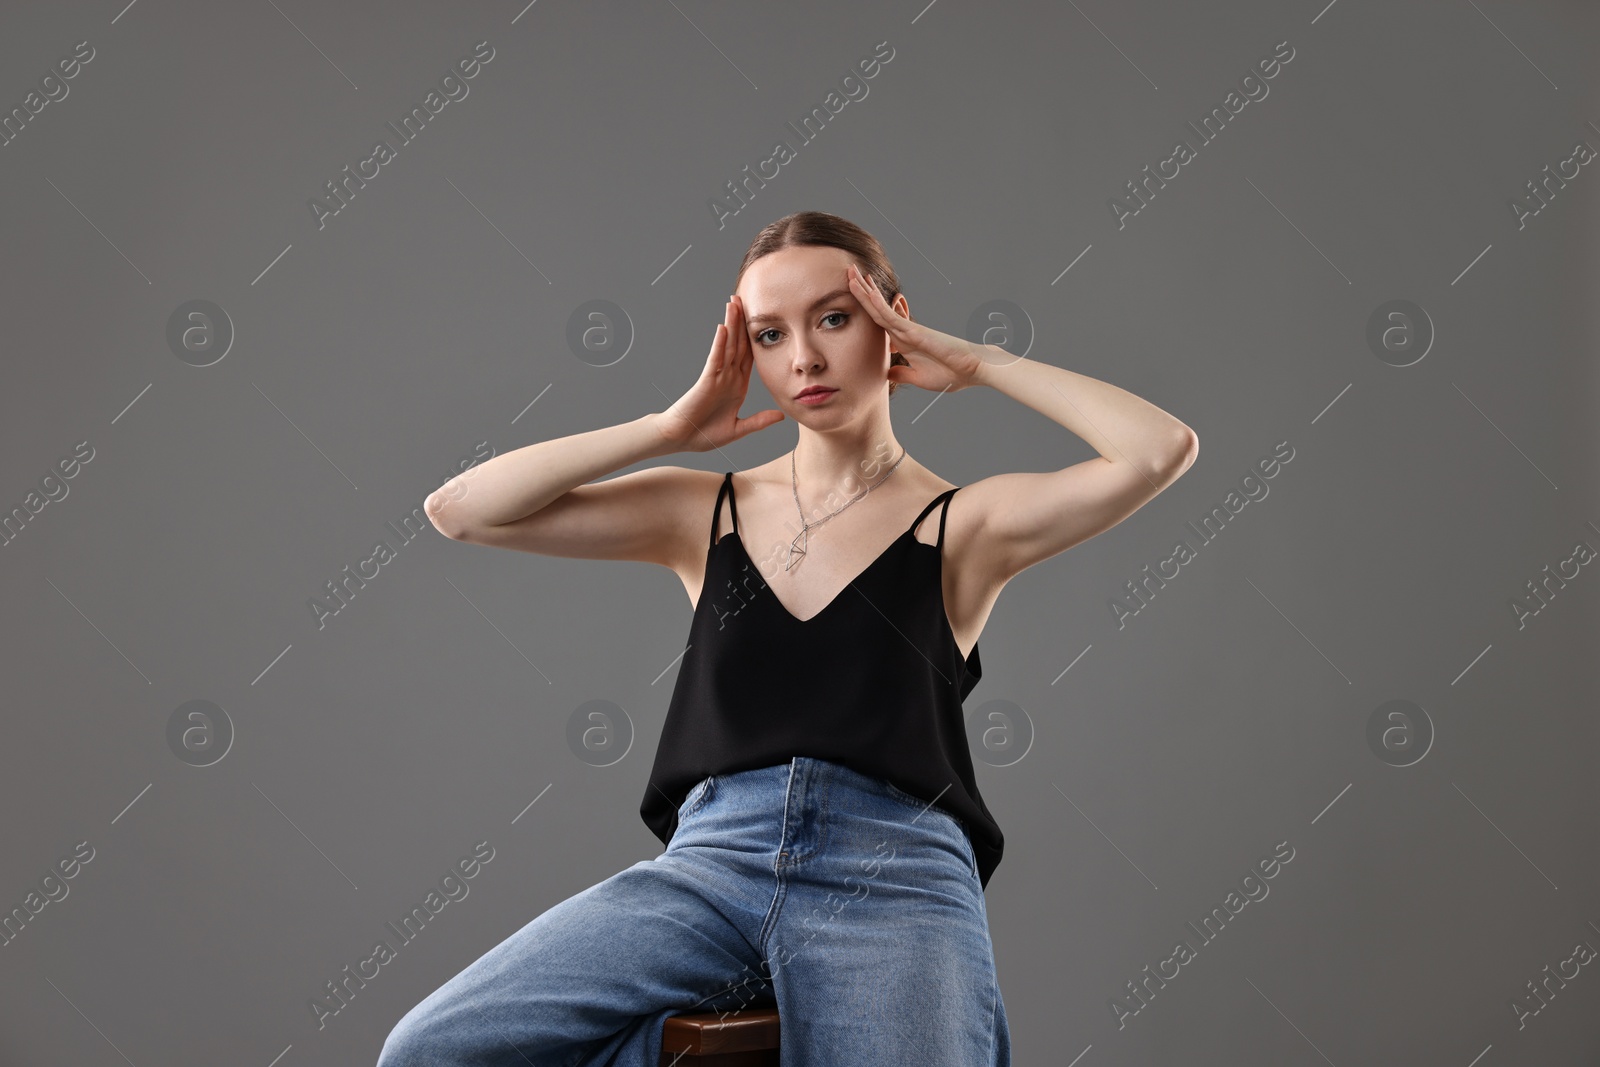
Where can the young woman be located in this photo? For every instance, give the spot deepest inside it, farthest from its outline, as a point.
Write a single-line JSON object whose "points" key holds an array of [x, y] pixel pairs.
{"points": [[827, 847]]}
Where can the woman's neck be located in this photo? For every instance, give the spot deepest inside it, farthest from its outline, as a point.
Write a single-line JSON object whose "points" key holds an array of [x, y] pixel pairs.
{"points": [[841, 464]]}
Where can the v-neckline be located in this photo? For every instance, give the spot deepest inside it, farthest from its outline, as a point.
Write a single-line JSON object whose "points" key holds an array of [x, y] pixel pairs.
{"points": [[837, 596], [944, 613]]}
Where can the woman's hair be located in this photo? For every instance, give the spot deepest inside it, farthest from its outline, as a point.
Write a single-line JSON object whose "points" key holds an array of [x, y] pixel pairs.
{"points": [[821, 228]]}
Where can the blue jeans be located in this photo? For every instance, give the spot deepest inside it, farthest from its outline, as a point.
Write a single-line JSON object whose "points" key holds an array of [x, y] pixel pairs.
{"points": [[852, 907]]}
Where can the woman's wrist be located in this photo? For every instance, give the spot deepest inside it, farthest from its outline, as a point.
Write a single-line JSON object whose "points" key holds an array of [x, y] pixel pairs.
{"points": [[669, 431], [992, 359]]}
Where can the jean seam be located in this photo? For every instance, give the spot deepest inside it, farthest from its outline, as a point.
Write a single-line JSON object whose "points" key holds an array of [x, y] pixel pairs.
{"points": [[824, 822], [918, 804], [994, 998], [909, 800], [699, 801], [780, 881], [901, 796]]}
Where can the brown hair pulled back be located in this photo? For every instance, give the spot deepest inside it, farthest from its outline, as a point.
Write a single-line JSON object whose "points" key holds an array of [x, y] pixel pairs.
{"points": [[821, 228]]}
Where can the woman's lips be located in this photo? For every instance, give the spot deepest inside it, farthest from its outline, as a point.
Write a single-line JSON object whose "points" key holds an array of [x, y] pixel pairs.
{"points": [[817, 397]]}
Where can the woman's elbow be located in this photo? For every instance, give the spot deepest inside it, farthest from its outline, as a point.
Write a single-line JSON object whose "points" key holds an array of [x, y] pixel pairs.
{"points": [[1183, 454], [436, 507]]}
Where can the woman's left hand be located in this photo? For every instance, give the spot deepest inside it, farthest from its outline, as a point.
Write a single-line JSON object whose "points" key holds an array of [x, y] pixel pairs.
{"points": [[939, 362]]}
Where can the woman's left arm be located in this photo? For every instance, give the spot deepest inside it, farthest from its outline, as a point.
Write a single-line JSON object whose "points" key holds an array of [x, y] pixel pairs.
{"points": [[1027, 518]]}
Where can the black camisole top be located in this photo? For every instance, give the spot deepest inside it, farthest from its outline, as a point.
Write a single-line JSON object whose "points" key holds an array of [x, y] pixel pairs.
{"points": [[885, 700]]}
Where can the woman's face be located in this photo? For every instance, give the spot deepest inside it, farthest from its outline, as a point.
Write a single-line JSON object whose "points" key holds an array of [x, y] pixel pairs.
{"points": [[806, 328]]}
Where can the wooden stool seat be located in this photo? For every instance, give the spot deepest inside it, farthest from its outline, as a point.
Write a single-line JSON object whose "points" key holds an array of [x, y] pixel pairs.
{"points": [[746, 1038]]}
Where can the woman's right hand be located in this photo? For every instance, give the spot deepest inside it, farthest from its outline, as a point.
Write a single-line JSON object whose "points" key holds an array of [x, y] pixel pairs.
{"points": [[707, 416]]}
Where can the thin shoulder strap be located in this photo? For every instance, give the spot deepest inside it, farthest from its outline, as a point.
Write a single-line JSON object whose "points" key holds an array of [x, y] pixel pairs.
{"points": [[950, 494], [944, 496], [733, 506]]}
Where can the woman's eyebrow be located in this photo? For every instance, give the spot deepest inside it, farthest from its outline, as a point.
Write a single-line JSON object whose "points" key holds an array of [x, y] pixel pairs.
{"points": [[818, 302]]}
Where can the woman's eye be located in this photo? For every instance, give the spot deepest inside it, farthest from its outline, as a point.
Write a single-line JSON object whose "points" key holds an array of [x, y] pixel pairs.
{"points": [[843, 316]]}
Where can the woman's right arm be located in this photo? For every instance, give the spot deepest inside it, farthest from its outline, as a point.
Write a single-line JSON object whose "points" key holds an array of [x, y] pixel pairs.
{"points": [[539, 498]]}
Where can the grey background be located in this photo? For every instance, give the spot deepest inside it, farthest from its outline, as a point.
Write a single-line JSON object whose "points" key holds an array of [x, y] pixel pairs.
{"points": [[1229, 715]]}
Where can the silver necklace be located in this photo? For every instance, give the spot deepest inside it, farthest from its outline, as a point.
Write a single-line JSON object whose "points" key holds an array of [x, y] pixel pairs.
{"points": [[797, 547]]}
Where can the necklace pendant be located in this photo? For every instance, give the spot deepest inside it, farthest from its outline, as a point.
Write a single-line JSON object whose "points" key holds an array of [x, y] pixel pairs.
{"points": [[796, 551]]}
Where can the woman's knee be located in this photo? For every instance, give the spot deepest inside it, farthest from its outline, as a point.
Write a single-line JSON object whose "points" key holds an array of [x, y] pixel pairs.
{"points": [[459, 1031], [415, 1041]]}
